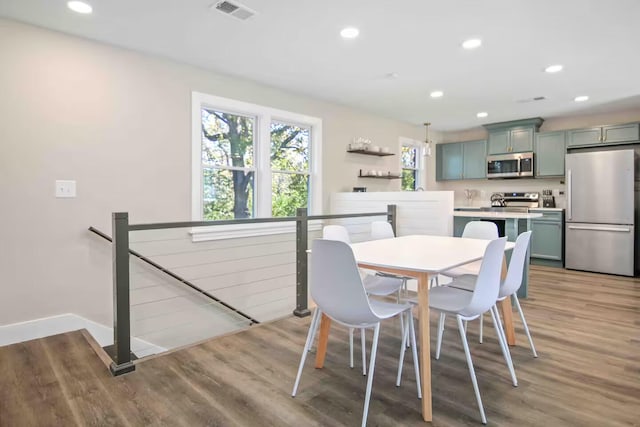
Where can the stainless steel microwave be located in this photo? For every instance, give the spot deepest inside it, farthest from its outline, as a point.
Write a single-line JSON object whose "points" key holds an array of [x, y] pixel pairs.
{"points": [[513, 165]]}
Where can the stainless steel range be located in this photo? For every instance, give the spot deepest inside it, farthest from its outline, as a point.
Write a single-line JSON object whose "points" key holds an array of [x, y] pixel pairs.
{"points": [[522, 201]]}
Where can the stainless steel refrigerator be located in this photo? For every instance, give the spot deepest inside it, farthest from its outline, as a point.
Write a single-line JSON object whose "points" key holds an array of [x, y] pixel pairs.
{"points": [[601, 205]]}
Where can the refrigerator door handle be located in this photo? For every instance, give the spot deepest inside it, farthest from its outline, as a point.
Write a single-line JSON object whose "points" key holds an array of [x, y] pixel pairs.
{"points": [[585, 227], [569, 193]]}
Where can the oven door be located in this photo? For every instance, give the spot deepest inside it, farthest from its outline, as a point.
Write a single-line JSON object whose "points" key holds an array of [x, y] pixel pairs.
{"points": [[503, 166]]}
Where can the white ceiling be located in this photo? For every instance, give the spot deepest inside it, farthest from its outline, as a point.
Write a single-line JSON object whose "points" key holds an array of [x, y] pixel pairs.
{"points": [[295, 45]]}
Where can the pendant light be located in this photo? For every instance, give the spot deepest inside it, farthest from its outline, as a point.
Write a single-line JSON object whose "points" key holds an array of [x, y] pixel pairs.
{"points": [[427, 142]]}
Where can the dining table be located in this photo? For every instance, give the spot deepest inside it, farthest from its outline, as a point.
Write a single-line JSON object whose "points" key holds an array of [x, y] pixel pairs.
{"points": [[421, 257]]}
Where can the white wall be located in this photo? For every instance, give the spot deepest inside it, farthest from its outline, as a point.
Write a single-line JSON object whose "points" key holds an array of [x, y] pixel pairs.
{"points": [[118, 122], [485, 187]]}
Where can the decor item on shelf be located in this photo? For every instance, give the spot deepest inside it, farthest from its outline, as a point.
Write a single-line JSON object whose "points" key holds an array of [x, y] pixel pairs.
{"points": [[379, 174], [469, 195], [385, 149], [359, 189], [427, 142]]}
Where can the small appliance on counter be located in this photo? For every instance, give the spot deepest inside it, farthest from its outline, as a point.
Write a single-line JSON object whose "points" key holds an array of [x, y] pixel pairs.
{"points": [[548, 201], [497, 200]]}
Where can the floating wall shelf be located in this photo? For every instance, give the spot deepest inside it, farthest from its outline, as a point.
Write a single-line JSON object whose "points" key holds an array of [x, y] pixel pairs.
{"points": [[370, 153], [379, 177]]}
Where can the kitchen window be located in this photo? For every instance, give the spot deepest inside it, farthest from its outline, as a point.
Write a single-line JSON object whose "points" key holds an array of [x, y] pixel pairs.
{"points": [[412, 163], [253, 161]]}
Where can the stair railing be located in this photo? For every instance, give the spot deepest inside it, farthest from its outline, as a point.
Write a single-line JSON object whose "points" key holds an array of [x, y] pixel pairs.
{"points": [[121, 352]]}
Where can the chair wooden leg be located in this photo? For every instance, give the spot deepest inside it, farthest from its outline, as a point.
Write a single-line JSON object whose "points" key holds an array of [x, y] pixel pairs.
{"points": [[315, 320], [372, 365], [472, 372], [503, 344], [526, 327]]}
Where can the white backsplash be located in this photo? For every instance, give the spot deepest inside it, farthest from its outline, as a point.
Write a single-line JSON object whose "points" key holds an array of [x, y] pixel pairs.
{"points": [[484, 188]]}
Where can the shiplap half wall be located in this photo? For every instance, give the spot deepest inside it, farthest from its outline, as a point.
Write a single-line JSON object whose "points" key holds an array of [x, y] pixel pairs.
{"points": [[418, 212]]}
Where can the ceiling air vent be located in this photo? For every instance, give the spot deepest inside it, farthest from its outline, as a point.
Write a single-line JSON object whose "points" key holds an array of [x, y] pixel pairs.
{"points": [[537, 98], [234, 9]]}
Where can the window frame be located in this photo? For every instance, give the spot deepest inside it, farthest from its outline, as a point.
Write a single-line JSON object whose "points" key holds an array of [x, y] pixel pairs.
{"points": [[261, 163], [420, 161]]}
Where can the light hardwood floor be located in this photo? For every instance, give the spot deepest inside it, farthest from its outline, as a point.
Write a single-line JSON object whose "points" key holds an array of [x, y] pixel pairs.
{"points": [[586, 329]]}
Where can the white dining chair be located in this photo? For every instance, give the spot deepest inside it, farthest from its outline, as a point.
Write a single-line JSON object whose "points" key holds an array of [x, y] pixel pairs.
{"points": [[374, 284], [339, 293], [467, 306], [485, 230], [511, 284], [383, 230]]}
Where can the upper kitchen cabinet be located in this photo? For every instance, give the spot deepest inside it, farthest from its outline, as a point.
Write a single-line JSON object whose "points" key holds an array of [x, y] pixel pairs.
{"points": [[549, 149], [474, 156], [512, 137], [613, 134], [461, 160]]}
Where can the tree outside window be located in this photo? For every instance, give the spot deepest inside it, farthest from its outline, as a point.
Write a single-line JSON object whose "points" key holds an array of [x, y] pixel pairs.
{"points": [[227, 165], [252, 164], [289, 168], [410, 167]]}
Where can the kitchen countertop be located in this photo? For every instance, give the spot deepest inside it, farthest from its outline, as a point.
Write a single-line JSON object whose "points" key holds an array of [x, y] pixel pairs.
{"points": [[547, 209], [499, 215], [477, 208]]}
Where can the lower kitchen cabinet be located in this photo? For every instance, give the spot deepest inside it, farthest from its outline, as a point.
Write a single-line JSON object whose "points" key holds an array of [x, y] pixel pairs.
{"points": [[547, 238]]}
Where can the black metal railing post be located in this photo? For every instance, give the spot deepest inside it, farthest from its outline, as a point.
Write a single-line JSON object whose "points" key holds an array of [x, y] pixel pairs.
{"points": [[392, 217], [121, 314], [302, 229]]}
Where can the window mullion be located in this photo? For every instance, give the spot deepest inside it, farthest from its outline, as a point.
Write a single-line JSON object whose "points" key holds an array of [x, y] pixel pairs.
{"points": [[262, 180]]}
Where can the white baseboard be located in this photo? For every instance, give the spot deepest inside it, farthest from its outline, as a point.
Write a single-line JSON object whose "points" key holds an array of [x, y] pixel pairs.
{"points": [[47, 326]]}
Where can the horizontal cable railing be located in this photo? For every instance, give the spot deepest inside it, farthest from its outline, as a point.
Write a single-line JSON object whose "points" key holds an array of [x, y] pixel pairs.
{"points": [[180, 292], [175, 276]]}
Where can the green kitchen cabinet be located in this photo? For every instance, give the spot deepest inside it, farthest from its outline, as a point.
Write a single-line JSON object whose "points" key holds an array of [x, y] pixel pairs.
{"points": [[449, 163], [499, 142], [474, 159], [612, 134], [547, 238], [461, 160], [512, 137], [550, 149]]}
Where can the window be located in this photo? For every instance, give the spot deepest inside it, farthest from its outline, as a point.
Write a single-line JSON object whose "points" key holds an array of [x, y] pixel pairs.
{"points": [[412, 164], [253, 161]]}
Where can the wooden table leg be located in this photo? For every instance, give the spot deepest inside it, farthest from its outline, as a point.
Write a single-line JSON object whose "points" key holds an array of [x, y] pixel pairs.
{"points": [[507, 318], [507, 313], [425, 345], [323, 339]]}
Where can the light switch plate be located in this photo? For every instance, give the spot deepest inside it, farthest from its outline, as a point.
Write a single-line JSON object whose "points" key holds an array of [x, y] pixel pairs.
{"points": [[65, 188]]}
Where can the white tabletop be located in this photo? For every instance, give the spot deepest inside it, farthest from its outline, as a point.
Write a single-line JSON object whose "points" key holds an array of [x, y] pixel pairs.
{"points": [[497, 215], [431, 254]]}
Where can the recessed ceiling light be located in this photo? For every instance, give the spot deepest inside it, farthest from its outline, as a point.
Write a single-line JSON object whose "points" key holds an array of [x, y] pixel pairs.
{"points": [[581, 98], [472, 43], [482, 114], [80, 7], [553, 68], [392, 75], [437, 94], [349, 33]]}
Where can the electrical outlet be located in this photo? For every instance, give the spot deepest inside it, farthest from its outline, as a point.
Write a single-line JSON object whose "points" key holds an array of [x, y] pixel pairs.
{"points": [[65, 188]]}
